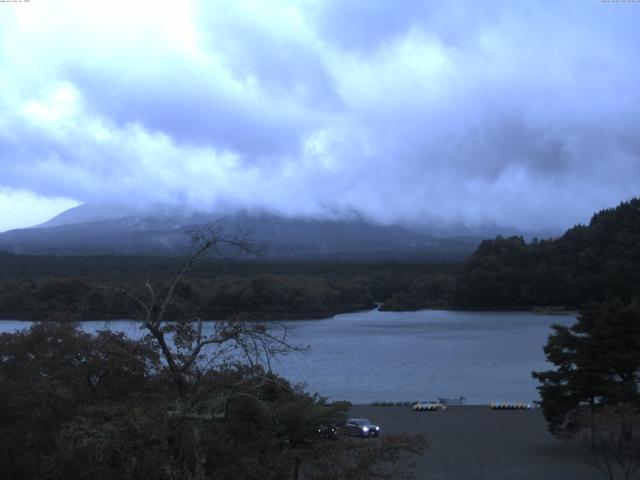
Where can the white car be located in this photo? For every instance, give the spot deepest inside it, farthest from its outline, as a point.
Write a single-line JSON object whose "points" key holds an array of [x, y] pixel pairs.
{"points": [[361, 427]]}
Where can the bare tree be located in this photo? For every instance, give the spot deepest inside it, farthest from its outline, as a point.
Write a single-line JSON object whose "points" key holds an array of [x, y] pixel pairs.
{"points": [[191, 350], [186, 348]]}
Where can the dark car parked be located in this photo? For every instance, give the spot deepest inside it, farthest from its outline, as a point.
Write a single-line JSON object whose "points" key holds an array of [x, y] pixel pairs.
{"points": [[361, 427], [326, 431]]}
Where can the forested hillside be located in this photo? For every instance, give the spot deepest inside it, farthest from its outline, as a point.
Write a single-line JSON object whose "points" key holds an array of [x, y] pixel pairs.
{"points": [[589, 262], [52, 287]]}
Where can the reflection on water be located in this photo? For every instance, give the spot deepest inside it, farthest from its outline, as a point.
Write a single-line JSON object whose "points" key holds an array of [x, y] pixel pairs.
{"points": [[423, 355]]}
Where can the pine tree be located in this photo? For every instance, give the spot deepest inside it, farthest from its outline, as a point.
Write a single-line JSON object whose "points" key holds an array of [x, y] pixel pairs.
{"points": [[598, 364]]}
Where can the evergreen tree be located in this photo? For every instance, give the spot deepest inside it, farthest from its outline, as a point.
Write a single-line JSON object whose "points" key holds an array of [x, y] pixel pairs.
{"points": [[598, 364]]}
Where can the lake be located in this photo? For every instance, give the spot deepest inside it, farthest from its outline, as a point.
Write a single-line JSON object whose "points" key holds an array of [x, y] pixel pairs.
{"points": [[406, 356]]}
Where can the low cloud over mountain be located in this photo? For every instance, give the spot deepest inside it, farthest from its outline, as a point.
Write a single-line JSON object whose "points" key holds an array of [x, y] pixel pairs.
{"points": [[468, 113], [101, 229]]}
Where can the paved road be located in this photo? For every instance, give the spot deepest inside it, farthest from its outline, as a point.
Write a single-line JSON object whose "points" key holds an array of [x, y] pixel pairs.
{"points": [[474, 442]]}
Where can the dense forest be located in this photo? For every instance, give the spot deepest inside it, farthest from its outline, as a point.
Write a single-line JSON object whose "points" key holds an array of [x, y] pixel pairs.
{"points": [[52, 287], [591, 262]]}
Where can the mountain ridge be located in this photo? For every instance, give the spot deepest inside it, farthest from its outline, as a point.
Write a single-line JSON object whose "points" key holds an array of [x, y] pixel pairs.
{"points": [[108, 229]]}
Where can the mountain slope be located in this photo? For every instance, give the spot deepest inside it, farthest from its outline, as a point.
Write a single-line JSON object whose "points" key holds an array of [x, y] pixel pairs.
{"points": [[89, 230]]}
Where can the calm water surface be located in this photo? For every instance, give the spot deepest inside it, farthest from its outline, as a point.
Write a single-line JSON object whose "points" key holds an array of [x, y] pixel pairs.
{"points": [[368, 356]]}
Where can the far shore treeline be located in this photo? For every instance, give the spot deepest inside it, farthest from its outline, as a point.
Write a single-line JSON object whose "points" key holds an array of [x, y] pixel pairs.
{"points": [[79, 288], [591, 262]]}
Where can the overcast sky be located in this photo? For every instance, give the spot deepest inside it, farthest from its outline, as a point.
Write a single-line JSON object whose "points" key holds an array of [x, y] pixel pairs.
{"points": [[501, 112]]}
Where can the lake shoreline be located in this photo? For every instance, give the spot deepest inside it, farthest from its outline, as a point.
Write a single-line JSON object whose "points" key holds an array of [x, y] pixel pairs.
{"points": [[253, 316], [379, 307], [309, 318]]}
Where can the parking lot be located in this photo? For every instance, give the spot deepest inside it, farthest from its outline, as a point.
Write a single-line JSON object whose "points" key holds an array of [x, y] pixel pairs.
{"points": [[475, 442]]}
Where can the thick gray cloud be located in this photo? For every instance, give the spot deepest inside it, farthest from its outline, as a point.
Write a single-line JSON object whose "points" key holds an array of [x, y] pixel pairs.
{"points": [[472, 113]]}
